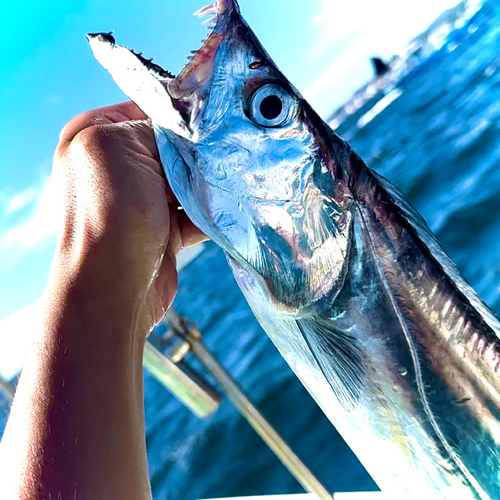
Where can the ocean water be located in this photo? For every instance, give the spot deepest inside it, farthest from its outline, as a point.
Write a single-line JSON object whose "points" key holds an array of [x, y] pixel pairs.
{"points": [[439, 143]]}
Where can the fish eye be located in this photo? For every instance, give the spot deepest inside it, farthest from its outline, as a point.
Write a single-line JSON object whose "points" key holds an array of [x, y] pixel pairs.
{"points": [[272, 106]]}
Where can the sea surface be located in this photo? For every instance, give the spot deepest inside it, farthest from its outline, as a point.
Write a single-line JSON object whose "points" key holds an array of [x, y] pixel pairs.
{"points": [[439, 143]]}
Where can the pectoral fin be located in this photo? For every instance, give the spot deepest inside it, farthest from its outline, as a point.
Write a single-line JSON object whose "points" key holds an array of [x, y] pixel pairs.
{"points": [[339, 356]]}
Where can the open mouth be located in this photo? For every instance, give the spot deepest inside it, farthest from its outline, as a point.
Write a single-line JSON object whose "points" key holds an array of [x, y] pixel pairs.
{"points": [[200, 67], [188, 91]]}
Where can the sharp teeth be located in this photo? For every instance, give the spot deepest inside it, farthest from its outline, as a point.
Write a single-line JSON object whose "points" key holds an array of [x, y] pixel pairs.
{"points": [[224, 5], [208, 10], [209, 21]]}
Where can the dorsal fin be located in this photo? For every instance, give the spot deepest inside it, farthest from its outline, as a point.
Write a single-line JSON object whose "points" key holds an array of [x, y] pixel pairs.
{"points": [[442, 259]]}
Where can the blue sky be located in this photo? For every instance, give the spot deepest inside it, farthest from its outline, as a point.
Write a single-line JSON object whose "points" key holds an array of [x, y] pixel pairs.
{"points": [[48, 75]]}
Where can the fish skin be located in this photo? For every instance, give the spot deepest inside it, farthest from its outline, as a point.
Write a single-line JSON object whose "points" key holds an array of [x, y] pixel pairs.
{"points": [[342, 273]]}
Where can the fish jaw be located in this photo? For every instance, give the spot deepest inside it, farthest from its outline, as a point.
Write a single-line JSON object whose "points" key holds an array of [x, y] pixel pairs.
{"points": [[193, 82], [170, 101], [141, 80]]}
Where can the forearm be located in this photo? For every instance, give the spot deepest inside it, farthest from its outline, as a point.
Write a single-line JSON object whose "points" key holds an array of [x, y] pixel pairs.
{"points": [[76, 428]]}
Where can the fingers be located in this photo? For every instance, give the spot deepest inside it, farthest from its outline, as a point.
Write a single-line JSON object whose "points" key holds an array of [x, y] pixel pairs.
{"points": [[93, 126], [139, 136], [125, 111], [190, 234], [115, 142]]}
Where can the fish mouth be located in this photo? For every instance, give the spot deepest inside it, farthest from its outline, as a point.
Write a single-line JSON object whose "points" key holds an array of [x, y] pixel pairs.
{"points": [[189, 90], [200, 67]]}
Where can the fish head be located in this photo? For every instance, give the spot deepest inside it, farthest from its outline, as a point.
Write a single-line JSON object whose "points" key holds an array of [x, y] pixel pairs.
{"points": [[250, 161]]}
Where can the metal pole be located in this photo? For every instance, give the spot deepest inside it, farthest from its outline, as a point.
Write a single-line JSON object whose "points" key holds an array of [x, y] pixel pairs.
{"points": [[196, 395], [303, 475]]}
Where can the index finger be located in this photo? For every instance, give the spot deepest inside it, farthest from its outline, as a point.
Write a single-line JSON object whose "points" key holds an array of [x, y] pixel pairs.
{"points": [[125, 111]]}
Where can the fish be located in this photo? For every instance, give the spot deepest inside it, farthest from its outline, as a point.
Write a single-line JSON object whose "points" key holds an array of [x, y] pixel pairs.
{"points": [[340, 270]]}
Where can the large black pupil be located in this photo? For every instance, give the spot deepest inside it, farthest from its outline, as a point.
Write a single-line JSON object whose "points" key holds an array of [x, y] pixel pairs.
{"points": [[271, 107]]}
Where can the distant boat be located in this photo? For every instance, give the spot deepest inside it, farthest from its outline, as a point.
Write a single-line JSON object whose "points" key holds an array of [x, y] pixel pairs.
{"points": [[379, 66], [395, 74]]}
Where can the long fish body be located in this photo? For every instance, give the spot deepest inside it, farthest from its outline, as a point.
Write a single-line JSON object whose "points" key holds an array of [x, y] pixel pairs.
{"points": [[342, 273]]}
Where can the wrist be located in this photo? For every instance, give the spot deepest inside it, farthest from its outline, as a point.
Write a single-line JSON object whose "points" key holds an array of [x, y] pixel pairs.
{"points": [[98, 298]]}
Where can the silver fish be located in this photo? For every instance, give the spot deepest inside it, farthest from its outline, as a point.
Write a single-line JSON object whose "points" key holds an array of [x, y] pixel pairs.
{"points": [[342, 273]]}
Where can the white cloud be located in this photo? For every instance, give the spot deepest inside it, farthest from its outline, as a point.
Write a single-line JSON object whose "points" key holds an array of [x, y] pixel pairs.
{"points": [[20, 200], [342, 67], [35, 228], [385, 25], [374, 28]]}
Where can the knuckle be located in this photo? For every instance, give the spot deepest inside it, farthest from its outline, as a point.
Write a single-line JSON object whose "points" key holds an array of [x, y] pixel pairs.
{"points": [[82, 148], [74, 126], [89, 136], [89, 120], [89, 139]]}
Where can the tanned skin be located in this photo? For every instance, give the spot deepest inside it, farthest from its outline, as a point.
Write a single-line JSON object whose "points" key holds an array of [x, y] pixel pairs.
{"points": [[76, 428]]}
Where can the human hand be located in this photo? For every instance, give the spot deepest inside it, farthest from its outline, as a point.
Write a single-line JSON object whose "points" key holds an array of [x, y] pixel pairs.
{"points": [[77, 422], [119, 221]]}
